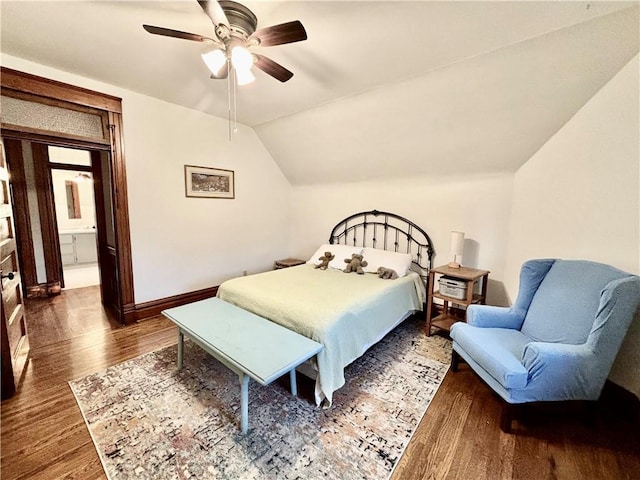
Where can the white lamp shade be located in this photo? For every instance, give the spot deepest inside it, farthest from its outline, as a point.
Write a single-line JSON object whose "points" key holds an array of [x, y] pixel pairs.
{"points": [[241, 58], [244, 76], [214, 60], [457, 243]]}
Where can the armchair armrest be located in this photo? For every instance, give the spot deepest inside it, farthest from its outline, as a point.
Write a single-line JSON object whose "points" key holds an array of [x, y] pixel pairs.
{"points": [[563, 371], [553, 354], [486, 316]]}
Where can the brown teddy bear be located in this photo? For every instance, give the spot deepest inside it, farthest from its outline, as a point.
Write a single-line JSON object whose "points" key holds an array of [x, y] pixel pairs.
{"points": [[355, 264], [387, 273], [324, 260]]}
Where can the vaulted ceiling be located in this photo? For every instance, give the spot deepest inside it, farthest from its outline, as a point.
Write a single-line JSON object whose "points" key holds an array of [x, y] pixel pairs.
{"points": [[380, 89]]}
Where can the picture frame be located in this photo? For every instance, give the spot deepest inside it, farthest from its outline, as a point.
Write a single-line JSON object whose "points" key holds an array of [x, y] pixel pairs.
{"points": [[207, 182]]}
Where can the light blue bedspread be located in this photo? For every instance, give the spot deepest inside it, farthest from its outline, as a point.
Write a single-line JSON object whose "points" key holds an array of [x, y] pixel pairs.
{"points": [[346, 312]]}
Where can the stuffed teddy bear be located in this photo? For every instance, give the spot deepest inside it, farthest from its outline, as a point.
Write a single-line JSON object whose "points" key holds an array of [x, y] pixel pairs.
{"points": [[324, 260], [387, 273], [355, 264]]}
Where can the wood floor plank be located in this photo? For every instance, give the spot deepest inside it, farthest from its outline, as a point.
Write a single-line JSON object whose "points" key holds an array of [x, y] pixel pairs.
{"points": [[443, 455], [43, 434]]}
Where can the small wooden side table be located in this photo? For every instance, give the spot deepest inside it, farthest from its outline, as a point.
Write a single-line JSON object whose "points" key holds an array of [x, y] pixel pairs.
{"points": [[470, 276], [287, 262]]}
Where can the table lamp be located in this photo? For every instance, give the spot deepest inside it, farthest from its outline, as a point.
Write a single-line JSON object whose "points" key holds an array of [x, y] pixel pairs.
{"points": [[457, 247]]}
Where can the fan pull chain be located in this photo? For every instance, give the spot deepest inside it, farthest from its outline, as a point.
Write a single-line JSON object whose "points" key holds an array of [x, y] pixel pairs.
{"points": [[229, 82], [235, 107]]}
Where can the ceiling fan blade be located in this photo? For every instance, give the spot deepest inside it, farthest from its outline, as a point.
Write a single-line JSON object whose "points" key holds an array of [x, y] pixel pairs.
{"points": [[214, 11], [223, 73], [272, 68], [167, 32], [279, 34]]}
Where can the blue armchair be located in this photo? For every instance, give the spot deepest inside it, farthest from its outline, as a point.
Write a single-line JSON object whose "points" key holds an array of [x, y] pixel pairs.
{"points": [[560, 338]]}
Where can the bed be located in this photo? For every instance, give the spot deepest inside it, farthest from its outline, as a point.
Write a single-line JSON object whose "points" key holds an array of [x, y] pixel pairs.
{"points": [[346, 312]]}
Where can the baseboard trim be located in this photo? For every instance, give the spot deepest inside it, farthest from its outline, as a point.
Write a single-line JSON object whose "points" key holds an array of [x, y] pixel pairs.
{"points": [[43, 290], [155, 307], [129, 313]]}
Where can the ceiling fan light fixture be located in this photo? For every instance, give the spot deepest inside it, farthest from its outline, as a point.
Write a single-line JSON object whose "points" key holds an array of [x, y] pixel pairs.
{"points": [[241, 58], [235, 33], [244, 76], [214, 60]]}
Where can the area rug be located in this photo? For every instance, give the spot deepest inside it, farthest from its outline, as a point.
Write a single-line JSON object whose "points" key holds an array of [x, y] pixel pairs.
{"points": [[149, 421]]}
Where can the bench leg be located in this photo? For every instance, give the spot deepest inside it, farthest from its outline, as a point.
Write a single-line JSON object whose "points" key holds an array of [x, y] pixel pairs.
{"points": [[244, 402], [180, 349], [294, 384]]}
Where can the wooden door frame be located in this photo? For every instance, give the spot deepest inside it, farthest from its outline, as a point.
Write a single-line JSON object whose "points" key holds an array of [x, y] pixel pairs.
{"points": [[43, 90], [47, 214]]}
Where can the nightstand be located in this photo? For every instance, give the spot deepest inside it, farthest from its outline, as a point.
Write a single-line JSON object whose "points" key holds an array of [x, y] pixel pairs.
{"points": [[459, 289], [287, 262]]}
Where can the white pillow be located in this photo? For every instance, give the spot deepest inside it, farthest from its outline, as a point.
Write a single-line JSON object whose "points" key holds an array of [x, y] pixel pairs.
{"points": [[340, 251], [375, 258]]}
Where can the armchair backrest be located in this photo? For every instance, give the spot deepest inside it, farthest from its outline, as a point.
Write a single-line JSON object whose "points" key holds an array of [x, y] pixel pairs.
{"points": [[565, 304]]}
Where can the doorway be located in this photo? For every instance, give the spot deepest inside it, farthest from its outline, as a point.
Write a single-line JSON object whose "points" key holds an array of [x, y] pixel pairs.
{"points": [[75, 211], [63, 218], [37, 114]]}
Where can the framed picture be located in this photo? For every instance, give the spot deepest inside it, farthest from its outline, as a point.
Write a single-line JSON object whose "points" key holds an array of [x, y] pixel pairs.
{"points": [[205, 182]]}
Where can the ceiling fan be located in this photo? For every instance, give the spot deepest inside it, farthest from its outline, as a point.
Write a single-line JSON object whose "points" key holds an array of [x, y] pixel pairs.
{"points": [[235, 34]]}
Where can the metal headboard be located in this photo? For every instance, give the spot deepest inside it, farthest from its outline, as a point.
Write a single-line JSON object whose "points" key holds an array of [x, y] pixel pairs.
{"points": [[386, 231]]}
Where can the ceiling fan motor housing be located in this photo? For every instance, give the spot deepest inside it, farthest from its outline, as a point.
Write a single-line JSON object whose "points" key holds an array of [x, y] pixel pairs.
{"points": [[241, 20]]}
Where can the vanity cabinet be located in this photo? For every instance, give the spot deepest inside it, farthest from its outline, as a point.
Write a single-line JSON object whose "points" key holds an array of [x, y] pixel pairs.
{"points": [[76, 248]]}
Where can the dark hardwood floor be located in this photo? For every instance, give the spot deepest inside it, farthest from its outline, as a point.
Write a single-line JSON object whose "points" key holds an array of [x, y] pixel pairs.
{"points": [[72, 314], [44, 435]]}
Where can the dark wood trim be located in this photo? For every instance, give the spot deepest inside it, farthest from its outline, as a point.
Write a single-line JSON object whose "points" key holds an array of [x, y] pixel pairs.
{"points": [[52, 140], [43, 290], [121, 218], [103, 139], [45, 88], [37, 291], [155, 307], [70, 166], [46, 208], [101, 222], [26, 82], [15, 163]]}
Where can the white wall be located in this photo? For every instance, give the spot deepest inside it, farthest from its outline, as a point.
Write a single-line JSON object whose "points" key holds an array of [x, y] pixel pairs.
{"points": [[85, 189], [478, 206], [183, 244], [191, 243], [579, 197]]}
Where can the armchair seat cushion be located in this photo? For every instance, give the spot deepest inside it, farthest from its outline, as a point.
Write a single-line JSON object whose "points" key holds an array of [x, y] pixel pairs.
{"points": [[498, 350]]}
